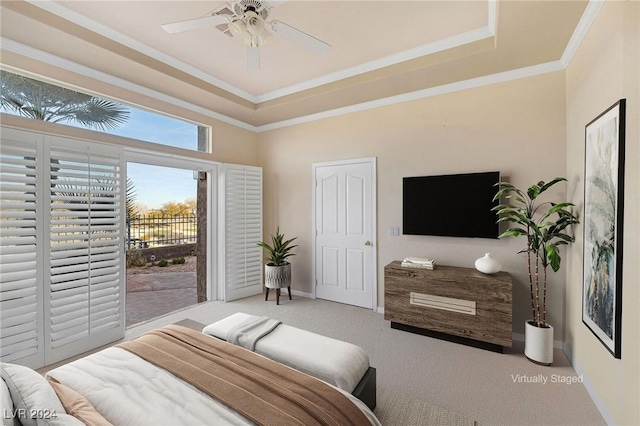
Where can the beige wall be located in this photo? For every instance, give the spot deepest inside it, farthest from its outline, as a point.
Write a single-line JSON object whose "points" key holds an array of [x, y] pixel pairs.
{"points": [[515, 127], [607, 68], [233, 145]]}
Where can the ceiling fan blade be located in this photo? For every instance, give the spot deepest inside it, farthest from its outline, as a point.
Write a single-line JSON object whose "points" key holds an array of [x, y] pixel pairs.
{"points": [[274, 3], [300, 37], [253, 58], [194, 24]]}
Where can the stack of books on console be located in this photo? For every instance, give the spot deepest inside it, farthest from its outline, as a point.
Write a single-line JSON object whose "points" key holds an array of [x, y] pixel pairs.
{"points": [[418, 262]]}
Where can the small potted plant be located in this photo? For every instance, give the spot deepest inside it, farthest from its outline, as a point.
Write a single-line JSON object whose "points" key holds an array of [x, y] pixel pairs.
{"points": [[277, 270], [543, 225]]}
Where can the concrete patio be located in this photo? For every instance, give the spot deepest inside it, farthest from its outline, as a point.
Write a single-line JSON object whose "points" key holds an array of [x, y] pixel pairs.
{"points": [[155, 294]]}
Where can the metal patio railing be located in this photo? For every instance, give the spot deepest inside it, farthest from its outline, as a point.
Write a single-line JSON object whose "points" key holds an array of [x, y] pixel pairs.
{"points": [[145, 231]]}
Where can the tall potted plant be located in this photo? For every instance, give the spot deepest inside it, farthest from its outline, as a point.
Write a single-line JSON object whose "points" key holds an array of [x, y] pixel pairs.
{"points": [[544, 225], [277, 270]]}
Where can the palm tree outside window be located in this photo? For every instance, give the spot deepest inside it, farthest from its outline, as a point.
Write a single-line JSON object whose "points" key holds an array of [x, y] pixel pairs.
{"points": [[42, 101]]}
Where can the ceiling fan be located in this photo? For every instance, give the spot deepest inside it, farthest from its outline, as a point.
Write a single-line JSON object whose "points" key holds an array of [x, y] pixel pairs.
{"points": [[246, 20]]}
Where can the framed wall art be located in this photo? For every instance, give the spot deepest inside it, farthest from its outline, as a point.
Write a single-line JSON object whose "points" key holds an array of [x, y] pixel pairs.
{"points": [[603, 220]]}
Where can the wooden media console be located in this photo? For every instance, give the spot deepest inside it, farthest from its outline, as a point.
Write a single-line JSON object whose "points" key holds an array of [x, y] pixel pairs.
{"points": [[452, 303]]}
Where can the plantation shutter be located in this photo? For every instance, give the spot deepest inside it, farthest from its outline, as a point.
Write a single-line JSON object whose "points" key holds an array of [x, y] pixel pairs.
{"points": [[242, 231], [21, 298], [86, 218], [61, 249]]}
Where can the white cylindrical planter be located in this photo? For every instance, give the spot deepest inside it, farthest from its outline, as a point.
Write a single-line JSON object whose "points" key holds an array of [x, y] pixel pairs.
{"points": [[487, 264], [538, 343], [277, 276]]}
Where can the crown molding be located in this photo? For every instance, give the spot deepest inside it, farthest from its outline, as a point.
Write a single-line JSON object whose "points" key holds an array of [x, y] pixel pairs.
{"points": [[492, 15], [586, 20], [47, 58], [98, 28], [421, 94], [427, 49], [438, 46], [579, 33]]}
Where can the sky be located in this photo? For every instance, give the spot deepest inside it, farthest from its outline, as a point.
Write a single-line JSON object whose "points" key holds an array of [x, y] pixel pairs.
{"points": [[153, 127], [155, 185]]}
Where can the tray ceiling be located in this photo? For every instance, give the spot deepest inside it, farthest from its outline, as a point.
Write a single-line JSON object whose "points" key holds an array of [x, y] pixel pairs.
{"points": [[379, 48]]}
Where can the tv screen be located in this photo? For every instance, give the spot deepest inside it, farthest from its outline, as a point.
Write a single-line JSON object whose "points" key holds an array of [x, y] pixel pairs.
{"points": [[450, 205]]}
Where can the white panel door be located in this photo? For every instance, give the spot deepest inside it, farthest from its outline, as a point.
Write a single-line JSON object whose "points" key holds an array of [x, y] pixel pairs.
{"points": [[345, 231]]}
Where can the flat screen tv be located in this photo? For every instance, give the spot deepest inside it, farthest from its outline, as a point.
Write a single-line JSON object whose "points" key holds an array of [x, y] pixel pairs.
{"points": [[450, 205]]}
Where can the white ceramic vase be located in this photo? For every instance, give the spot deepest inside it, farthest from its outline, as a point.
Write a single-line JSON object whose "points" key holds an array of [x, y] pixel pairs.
{"points": [[538, 343], [487, 264]]}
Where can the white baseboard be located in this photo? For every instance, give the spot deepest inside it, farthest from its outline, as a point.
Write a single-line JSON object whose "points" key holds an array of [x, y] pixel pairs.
{"points": [[380, 309], [302, 294], [604, 412]]}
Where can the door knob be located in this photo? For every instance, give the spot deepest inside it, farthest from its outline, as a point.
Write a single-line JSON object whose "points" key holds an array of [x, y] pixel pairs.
{"points": [[367, 243]]}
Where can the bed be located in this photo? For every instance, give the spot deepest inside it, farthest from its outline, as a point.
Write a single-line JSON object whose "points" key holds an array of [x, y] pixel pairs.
{"points": [[175, 376]]}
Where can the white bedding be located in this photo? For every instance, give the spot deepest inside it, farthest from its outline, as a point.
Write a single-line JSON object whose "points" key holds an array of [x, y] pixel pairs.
{"points": [[128, 390]]}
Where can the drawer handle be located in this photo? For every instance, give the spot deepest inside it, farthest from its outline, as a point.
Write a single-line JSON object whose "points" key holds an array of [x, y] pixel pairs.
{"points": [[444, 303]]}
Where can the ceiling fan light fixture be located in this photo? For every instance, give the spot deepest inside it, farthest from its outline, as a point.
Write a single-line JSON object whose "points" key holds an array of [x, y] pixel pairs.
{"points": [[259, 32], [251, 30], [237, 28], [253, 23]]}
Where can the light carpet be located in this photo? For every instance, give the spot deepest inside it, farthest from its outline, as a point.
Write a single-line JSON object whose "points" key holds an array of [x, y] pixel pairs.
{"points": [[397, 409]]}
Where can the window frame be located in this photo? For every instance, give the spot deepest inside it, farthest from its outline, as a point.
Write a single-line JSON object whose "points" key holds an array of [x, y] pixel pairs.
{"points": [[199, 126]]}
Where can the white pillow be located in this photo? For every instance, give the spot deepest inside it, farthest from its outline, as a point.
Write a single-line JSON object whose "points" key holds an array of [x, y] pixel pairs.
{"points": [[33, 398], [8, 417]]}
